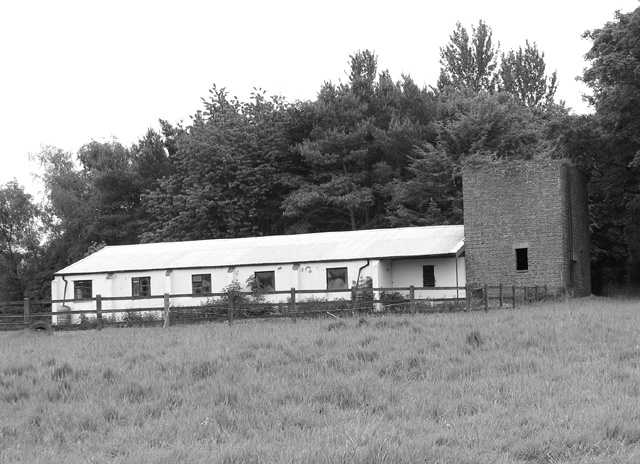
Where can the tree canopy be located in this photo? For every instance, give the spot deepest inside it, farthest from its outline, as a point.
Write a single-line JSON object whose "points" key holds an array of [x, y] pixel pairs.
{"points": [[373, 151], [614, 79], [226, 171], [473, 62], [522, 74], [470, 61], [20, 235]]}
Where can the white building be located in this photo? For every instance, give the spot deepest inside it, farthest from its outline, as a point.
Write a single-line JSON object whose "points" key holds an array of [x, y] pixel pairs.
{"points": [[422, 257]]}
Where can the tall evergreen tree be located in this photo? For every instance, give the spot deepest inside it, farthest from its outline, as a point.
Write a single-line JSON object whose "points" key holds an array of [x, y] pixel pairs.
{"points": [[522, 73], [337, 193], [469, 61], [363, 132]]}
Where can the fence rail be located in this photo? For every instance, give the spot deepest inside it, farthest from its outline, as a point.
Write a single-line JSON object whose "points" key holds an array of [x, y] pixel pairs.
{"points": [[231, 306]]}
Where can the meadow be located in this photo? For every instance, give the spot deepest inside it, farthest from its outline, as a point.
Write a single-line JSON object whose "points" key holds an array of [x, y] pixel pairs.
{"points": [[552, 383]]}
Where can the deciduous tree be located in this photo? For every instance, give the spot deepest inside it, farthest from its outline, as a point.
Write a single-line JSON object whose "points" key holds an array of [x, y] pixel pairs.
{"points": [[613, 76], [226, 170], [20, 235], [469, 124]]}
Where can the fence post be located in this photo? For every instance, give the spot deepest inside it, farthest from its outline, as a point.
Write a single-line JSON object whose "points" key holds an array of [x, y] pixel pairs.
{"points": [[467, 294], [27, 311], [167, 311], [412, 299], [294, 306], [486, 297], [501, 296], [354, 300], [99, 312], [231, 307], [513, 291]]}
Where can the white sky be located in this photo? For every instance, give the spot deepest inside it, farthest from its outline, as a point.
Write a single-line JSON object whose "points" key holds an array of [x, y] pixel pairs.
{"points": [[76, 71]]}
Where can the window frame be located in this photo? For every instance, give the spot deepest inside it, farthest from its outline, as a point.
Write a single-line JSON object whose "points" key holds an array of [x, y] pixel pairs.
{"points": [[203, 289], [431, 283], [82, 286], [138, 281], [345, 279], [261, 276]]}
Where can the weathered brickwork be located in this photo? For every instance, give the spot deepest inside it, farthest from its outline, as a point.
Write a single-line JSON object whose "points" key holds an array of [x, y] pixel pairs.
{"points": [[537, 205]]}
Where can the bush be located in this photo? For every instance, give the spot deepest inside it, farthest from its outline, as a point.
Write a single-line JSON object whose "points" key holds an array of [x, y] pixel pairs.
{"points": [[315, 304], [395, 301], [133, 318], [86, 322]]}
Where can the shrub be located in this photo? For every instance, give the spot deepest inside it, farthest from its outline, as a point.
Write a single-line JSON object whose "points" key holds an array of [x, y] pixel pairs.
{"points": [[86, 322], [132, 318], [315, 304]]}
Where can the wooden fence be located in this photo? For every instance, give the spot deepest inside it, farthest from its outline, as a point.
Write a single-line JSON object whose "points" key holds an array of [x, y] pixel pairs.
{"points": [[228, 307]]}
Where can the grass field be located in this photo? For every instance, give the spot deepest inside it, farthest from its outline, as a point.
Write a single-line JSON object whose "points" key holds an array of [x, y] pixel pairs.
{"points": [[557, 383]]}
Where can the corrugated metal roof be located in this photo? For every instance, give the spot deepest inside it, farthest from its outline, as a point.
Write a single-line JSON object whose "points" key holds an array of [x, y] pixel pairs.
{"points": [[277, 249]]}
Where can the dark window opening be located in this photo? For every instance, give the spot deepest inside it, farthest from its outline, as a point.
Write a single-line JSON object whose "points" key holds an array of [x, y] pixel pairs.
{"points": [[428, 276], [266, 280], [201, 284], [82, 289], [141, 286], [522, 259], [337, 278]]}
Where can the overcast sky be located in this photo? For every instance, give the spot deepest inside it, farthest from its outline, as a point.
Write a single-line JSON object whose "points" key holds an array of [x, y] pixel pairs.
{"points": [[76, 71]]}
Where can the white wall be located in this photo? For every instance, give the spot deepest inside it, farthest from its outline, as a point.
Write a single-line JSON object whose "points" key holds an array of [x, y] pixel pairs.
{"points": [[303, 276], [108, 285], [407, 272], [385, 278]]}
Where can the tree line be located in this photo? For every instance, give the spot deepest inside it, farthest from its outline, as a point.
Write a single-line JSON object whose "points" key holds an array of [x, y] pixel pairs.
{"points": [[370, 152]]}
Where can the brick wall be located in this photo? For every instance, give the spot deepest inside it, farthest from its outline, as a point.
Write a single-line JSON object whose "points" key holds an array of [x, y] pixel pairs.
{"points": [[537, 205]]}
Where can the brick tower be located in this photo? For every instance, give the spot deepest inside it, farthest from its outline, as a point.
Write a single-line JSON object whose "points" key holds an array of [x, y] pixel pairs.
{"points": [[526, 223]]}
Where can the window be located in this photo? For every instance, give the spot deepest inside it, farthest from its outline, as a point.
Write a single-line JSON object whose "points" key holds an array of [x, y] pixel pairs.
{"points": [[266, 280], [522, 259], [82, 289], [337, 278], [201, 284], [428, 276], [141, 286]]}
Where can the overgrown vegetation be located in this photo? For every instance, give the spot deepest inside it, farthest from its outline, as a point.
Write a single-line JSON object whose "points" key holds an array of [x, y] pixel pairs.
{"points": [[554, 383]]}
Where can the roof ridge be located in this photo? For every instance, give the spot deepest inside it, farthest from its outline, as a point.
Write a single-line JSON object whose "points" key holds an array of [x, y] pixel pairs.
{"points": [[260, 237]]}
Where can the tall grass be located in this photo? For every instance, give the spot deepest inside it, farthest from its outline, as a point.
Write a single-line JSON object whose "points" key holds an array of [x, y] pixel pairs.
{"points": [[542, 384]]}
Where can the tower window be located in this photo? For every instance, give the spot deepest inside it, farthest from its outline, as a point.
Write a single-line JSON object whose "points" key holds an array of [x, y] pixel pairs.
{"points": [[522, 259]]}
